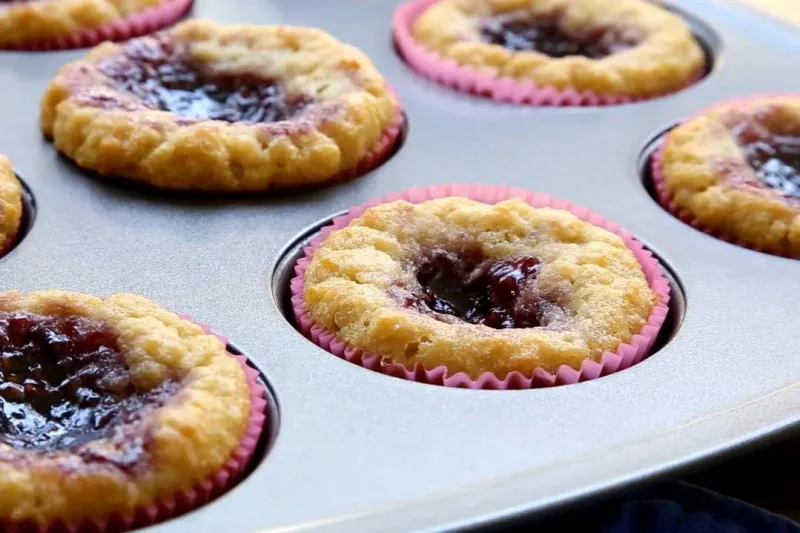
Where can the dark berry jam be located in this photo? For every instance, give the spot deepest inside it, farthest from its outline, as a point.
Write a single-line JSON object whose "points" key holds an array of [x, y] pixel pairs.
{"points": [[64, 384], [776, 161], [158, 72], [497, 293], [521, 31]]}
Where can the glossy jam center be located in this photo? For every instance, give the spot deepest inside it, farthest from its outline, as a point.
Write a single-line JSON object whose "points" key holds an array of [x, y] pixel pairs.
{"points": [[64, 383], [496, 293], [776, 161], [516, 31], [159, 73]]}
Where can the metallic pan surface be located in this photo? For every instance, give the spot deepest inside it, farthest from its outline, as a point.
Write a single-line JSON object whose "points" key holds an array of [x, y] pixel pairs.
{"points": [[358, 451]]}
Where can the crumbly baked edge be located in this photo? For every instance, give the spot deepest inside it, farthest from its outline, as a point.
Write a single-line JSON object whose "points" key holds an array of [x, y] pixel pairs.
{"points": [[192, 435], [347, 286], [668, 59], [48, 19], [10, 204], [697, 186], [357, 108]]}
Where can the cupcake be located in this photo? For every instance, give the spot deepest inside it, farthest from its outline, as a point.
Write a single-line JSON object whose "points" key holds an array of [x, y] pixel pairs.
{"points": [[485, 288], [10, 206], [562, 52], [734, 171], [223, 108], [115, 412], [59, 24]]}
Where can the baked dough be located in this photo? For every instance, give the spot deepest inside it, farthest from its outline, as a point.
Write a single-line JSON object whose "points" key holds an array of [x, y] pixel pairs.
{"points": [[547, 288], [122, 404], [735, 170], [635, 48], [10, 204], [220, 108], [29, 22]]}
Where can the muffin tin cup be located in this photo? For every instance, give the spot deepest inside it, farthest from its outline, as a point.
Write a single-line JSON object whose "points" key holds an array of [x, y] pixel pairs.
{"points": [[202, 492], [668, 202], [626, 354], [147, 21], [709, 392], [506, 89]]}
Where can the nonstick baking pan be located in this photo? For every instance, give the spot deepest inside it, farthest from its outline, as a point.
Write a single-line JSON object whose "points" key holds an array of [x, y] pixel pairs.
{"points": [[355, 450]]}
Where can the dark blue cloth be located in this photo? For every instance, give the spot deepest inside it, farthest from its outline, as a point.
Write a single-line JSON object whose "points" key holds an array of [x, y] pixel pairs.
{"points": [[683, 508], [673, 507]]}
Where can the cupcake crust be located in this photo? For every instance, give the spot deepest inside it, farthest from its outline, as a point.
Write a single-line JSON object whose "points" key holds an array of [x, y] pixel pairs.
{"points": [[664, 58], [706, 174], [115, 132], [352, 279], [30, 22], [186, 439], [10, 205]]}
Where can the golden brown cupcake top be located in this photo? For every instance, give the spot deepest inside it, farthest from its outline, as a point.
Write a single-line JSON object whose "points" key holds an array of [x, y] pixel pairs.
{"points": [[626, 47], [108, 404], [29, 22], [10, 204], [476, 287], [215, 107], [736, 170]]}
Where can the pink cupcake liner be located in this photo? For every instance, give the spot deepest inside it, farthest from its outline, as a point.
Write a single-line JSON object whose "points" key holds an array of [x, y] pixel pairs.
{"points": [[147, 21], [666, 199], [506, 89], [201, 493], [626, 354]]}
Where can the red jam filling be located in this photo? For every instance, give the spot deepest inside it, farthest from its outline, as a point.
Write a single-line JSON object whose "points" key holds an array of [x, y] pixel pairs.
{"points": [[500, 294], [160, 73], [547, 35], [64, 384], [774, 158]]}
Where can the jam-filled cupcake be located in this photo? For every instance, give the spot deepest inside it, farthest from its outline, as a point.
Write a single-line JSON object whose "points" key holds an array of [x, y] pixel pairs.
{"points": [[57, 24], [115, 412], [10, 205], [224, 108], [479, 289], [734, 171], [564, 52]]}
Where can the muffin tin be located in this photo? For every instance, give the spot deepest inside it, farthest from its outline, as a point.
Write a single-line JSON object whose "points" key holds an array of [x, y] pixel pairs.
{"points": [[354, 450]]}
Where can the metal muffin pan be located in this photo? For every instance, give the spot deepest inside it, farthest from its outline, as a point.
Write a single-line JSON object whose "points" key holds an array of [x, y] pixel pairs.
{"points": [[358, 451]]}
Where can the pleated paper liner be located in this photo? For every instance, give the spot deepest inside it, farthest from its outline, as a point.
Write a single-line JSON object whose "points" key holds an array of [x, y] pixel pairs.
{"points": [[624, 356], [467, 79]]}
